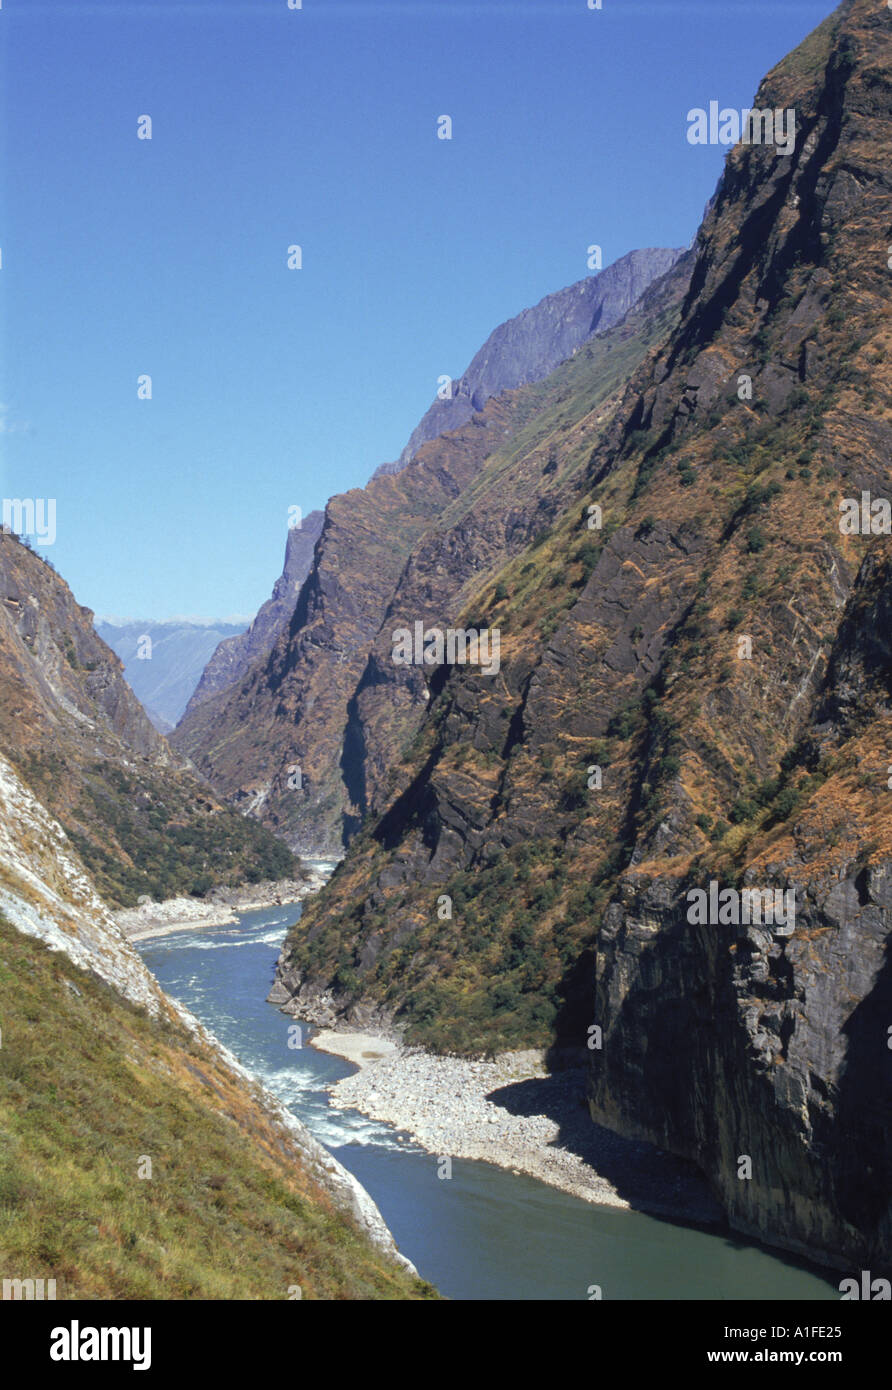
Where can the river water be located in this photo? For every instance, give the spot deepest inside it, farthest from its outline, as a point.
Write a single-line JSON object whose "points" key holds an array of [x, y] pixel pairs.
{"points": [[485, 1233]]}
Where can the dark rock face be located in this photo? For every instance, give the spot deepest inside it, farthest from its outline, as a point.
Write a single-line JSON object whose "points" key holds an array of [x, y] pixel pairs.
{"points": [[723, 1053], [719, 657], [766, 1045], [236, 653], [530, 346]]}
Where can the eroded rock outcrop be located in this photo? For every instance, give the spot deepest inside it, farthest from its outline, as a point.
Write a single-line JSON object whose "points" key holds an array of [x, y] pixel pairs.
{"points": [[237, 653]]}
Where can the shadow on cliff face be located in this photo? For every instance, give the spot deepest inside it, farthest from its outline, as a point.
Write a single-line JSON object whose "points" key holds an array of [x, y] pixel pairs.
{"points": [[644, 1176], [661, 1185], [698, 1051], [858, 1139]]}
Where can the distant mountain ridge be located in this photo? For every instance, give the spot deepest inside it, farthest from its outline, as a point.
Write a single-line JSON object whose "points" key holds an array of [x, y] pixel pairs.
{"points": [[233, 656], [529, 346], [164, 681]]}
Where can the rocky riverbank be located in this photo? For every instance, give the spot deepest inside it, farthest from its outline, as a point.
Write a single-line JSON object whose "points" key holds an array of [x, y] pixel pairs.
{"points": [[516, 1114], [218, 909]]}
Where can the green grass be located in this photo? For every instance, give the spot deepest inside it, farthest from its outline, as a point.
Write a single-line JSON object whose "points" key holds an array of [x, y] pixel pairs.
{"points": [[88, 1086]]}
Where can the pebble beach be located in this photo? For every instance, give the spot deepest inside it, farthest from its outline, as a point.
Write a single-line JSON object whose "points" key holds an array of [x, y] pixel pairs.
{"points": [[516, 1114]]}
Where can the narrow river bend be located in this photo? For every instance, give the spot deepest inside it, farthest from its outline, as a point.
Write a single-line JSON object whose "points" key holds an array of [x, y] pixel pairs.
{"points": [[486, 1233]]}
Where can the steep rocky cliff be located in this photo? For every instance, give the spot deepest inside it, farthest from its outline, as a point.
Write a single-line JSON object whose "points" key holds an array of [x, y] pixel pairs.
{"points": [[292, 742], [523, 486], [235, 654], [696, 693], [523, 350], [75, 731], [530, 346]]}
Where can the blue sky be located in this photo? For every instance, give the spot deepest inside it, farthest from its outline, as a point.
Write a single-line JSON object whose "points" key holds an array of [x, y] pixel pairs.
{"points": [[274, 388]]}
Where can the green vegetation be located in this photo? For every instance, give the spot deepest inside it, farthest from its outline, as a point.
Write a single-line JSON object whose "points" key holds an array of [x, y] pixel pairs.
{"points": [[139, 832], [89, 1086], [503, 963]]}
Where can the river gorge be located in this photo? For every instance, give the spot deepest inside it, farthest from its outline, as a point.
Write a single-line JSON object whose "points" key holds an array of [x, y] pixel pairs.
{"points": [[487, 1232]]}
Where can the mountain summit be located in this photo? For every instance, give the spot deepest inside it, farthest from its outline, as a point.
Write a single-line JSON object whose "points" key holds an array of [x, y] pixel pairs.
{"points": [[530, 346]]}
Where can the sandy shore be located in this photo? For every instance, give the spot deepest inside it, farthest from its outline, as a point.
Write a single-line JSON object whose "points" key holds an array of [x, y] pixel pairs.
{"points": [[197, 914], [182, 923], [360, 1048], [513, 1113]]}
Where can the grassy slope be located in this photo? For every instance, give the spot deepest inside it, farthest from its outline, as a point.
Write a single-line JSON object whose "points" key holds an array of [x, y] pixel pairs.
{"points": [[88, 1085]]}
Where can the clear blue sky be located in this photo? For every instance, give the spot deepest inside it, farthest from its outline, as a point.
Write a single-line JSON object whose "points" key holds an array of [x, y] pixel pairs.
{"points": [[275, 388]]}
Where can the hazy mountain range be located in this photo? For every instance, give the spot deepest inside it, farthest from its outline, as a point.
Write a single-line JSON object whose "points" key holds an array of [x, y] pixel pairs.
{"points": [[163, 662]]}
